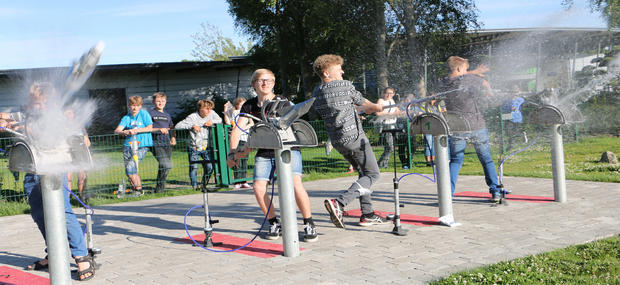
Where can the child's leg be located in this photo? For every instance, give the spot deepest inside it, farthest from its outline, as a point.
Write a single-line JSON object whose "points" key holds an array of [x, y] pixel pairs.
{"points": [[301, 197], [260, 191]]}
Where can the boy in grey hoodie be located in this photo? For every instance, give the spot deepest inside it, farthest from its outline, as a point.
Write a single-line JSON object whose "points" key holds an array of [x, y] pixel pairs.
{"points": [[199, 147]]}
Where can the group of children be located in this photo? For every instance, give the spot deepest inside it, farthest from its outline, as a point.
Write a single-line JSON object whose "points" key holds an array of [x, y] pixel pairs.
{"points": [[337, 102]]}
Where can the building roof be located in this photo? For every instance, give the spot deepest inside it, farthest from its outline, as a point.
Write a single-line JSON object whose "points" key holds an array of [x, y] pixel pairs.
{"points": [[142, 67]]}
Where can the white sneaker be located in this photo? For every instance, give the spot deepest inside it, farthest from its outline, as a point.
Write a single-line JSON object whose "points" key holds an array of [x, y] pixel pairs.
{"points": [[246, 186], [274, 231], [238, 186]]}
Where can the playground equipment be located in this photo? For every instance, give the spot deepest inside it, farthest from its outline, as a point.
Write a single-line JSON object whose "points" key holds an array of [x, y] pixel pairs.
{"points": [[25, 157], [398, 229], [51, 162], [208, 228], [550, 116], [441, 127], [281, 129]]}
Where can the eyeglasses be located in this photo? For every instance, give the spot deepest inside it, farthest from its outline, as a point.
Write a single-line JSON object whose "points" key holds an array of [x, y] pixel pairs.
{"points": [[266, 81]]}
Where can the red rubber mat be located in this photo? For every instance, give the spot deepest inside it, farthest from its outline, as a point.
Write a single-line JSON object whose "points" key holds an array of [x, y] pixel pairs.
{"points": [[256, 248], [17, 277], [404, 218], [510, 197]]}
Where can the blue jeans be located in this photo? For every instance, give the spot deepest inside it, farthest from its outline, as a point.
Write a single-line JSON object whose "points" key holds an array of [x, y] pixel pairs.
{"points": [[428, 147], [131, 167], [32, 188], [480, 140], [196, 157]]}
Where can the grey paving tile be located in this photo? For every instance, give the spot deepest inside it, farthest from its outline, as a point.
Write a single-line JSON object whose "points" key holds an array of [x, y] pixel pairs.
{"points": [[137, 238]]}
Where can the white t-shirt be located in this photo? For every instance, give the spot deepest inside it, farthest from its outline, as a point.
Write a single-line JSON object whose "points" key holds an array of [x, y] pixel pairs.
{"points": [[392, 118]]}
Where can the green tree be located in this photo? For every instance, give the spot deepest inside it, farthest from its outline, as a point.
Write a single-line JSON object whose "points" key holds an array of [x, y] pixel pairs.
{"points": [[609, 9], [291, 34], [369, 35], [210, 44], [437, 27]]}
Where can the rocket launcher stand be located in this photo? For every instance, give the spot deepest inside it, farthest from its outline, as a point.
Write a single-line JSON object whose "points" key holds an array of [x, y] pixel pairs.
{"points": [[208, 229], [24, 157], [552, 117], [398, 229], [440, 127], [281, 129]]}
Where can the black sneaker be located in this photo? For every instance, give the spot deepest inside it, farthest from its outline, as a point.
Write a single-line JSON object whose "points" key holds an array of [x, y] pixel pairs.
{"points": [[496, 197], [310, 234], [335, 212], [274, 231], [372, 220]]}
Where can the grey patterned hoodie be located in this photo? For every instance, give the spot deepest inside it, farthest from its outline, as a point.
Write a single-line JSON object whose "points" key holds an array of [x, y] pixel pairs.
{"points": [[199, 140]]}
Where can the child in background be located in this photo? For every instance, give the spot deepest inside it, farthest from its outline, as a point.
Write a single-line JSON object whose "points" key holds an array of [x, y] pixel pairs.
{"points": [[240, 171], [136, 127]]}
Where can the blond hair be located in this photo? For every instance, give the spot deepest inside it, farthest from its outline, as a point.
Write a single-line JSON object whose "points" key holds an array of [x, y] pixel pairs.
{"points": [[203, 102], [40, 90], [159, 95], [257, 73], [238, 101], [323, 62], [135, 101], [455, 62]]}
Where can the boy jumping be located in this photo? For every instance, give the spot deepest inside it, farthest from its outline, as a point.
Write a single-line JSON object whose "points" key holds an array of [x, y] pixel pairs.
{"points": [[335, 103]]}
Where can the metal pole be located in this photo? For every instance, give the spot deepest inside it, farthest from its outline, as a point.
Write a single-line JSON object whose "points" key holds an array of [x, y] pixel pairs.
{"points": [[207, 229], [288, 213], [444, 189], [89, 229], [53, 197], [557, 164], [425, 69]]}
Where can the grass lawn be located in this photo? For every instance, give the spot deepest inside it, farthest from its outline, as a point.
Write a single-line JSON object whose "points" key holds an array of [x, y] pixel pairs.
{"points": [[580, 162], [596, 262], [591, 263]]}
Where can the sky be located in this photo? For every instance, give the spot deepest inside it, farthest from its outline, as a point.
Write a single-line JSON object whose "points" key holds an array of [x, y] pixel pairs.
{"points": [[41, 33]]}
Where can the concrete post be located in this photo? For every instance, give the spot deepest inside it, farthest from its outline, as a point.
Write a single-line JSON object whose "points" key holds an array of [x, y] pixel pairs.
{"points": [[286, 192], [53, 196]]}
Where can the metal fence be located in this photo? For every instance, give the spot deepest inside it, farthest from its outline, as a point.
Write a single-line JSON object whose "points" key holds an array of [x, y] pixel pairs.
{"points": [[109, 169]]}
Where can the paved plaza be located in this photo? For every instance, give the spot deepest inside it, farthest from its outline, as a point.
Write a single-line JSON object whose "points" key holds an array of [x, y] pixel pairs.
{"points": [[140, 240]]}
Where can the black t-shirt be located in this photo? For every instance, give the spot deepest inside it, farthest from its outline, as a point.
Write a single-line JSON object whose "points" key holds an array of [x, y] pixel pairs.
{"points": [[465, 101], [251, 107], [161, 120]]}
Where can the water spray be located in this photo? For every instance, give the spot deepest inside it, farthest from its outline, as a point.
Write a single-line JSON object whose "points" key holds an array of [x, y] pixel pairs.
{"points": [[50, 159]]}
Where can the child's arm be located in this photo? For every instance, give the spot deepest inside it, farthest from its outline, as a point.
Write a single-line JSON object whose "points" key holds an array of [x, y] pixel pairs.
{"points": [[120, 130], [370, 107], [216, 118]]}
